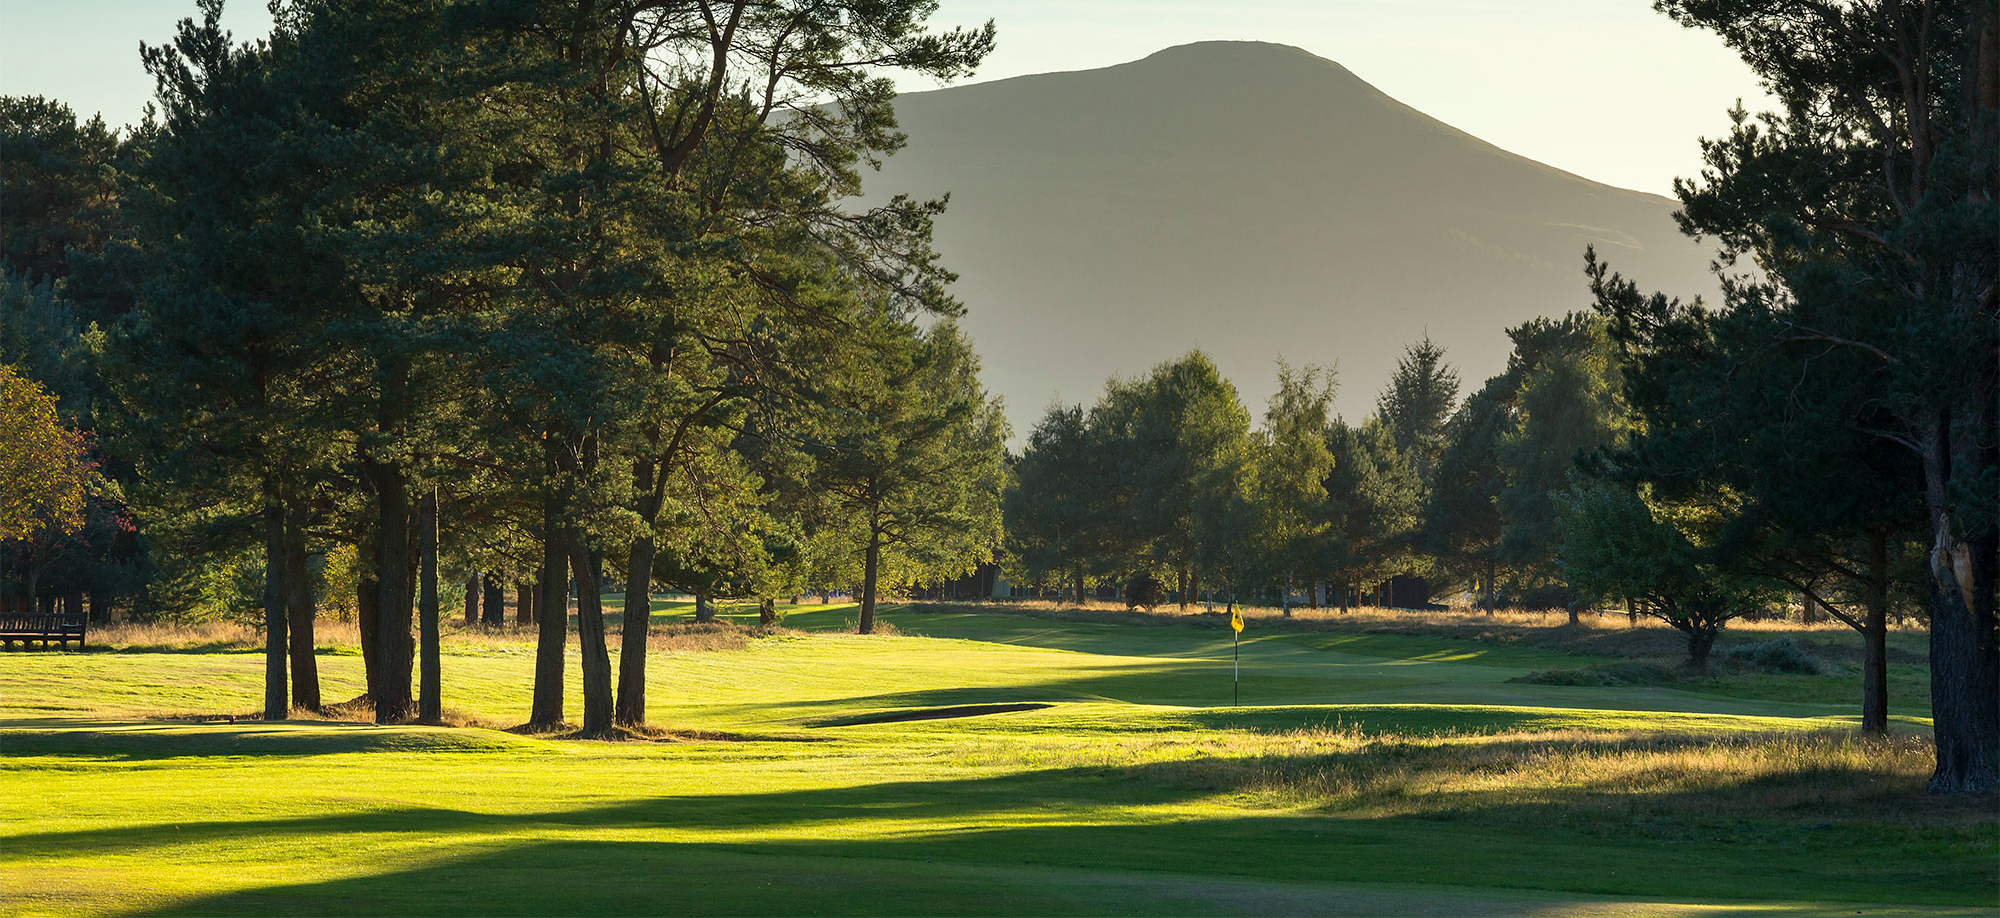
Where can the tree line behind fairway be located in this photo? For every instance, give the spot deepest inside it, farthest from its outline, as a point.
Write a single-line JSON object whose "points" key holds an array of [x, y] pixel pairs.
{"points": [[415, 296], [1830, 432]]}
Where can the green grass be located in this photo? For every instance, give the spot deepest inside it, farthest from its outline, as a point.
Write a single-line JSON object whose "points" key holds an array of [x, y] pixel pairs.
{"points": [[1363, 773]]}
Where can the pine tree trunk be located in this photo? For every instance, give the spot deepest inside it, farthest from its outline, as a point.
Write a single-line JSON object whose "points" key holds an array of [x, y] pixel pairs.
{"points": [[472, 600], [1875, 638], [368, 596], [1079, 587], [594, 653], [1181, 588], [1312, 591], [394, 648], [524, 602], [300, 609], [767, 611], [430, 707], [494, 612], [1491, 587], [1965, 663], [395, 616], [634, 630], [551, 617], [277, 705], [865, 624]]}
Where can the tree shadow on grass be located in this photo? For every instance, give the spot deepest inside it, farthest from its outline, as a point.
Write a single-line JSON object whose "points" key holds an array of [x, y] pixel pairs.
{"points": [[1586, 838], [1196, 866], [261, 739], [636, 878]]}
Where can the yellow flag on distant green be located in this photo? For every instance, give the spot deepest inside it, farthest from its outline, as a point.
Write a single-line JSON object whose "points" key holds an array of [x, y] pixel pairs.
{"points": [[1236, 620]]}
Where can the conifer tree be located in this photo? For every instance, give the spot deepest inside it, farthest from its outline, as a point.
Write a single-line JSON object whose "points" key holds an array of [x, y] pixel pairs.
{"points": [[917, 459], [1871, 201]]}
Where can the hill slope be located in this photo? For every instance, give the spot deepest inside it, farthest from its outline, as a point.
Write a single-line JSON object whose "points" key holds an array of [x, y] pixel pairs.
{"points": [[1253, 200]]}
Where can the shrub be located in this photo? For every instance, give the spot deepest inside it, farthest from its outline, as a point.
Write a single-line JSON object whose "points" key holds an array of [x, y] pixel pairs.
{"points": [[1778, 655], [1602, 675], [1145, 592]]}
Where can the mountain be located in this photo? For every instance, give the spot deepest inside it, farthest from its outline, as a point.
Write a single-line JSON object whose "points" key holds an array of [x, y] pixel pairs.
{"points": [[1253, 200]]}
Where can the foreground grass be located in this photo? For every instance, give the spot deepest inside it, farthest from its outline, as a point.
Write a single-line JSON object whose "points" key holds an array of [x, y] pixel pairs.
{"points": [[1361, 776]]}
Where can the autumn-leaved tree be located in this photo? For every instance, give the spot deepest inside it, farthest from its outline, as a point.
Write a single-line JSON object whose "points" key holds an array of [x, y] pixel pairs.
{"points": [[45, 473]]}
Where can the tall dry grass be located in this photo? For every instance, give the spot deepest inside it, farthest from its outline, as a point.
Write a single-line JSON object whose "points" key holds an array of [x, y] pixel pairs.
{"points": [[1584, 778], [454, 636]]}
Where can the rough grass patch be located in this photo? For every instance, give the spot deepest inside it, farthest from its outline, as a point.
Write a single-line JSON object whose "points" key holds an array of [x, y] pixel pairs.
{"points": [[1584, 777]]}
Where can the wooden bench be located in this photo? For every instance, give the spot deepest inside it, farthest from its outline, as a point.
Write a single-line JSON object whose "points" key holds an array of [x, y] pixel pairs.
{"points": [[60, 627]]}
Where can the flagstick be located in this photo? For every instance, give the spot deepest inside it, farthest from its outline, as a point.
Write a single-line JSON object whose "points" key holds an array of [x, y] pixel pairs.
{"points": [[1236, 684]]}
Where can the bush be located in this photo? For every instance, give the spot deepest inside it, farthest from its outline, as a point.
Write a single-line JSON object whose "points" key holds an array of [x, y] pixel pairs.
{"points": [[1778, 655], [1145, 592], [1602, 675]]}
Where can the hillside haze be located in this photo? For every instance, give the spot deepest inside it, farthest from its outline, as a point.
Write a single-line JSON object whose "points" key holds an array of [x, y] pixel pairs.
{"points": [[1252, 200]]}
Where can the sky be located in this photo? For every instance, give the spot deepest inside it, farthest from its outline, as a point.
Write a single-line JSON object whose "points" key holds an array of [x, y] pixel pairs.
{"points": [[1607, 89]]}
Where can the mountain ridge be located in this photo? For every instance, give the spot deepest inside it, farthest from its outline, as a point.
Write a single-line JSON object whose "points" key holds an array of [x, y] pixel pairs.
{"points": [[1251, 199]]}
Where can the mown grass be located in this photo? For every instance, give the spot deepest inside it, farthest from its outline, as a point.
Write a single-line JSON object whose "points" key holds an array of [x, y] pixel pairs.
{"points": [[1365, 772]]}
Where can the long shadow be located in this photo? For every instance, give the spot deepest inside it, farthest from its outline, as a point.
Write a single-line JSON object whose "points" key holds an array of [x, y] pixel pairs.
{"points": [[173, 741], [1018, 869]]}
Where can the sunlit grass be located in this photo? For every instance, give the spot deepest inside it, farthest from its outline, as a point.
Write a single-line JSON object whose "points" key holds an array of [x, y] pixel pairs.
{"points": [[1404, 763]]}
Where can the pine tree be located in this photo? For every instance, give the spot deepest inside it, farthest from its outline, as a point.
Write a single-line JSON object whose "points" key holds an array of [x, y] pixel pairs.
{"points": [[1416, 405], [918, 459], [1871, 201]]}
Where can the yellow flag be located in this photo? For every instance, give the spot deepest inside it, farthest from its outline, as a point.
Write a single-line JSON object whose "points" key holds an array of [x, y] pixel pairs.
{"points": [[1236, 620]]}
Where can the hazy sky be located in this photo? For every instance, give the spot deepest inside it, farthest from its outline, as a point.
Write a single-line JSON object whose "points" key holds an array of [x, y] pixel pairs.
{"points": [[1607, 89]]}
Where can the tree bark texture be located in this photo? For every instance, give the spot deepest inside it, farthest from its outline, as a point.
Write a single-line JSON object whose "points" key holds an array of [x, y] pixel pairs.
{"points": [[277, 705], [634, 631], [524, 602], [593, 652], [1965, 662], [865, 624], [300, 609], [1875, 639], [430, 705], [495, 603], [368, 595], [394, 649], [552, 616]]}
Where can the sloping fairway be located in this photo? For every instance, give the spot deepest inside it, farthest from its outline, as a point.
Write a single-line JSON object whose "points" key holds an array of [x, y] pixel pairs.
{"points": [[982, 763]]}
